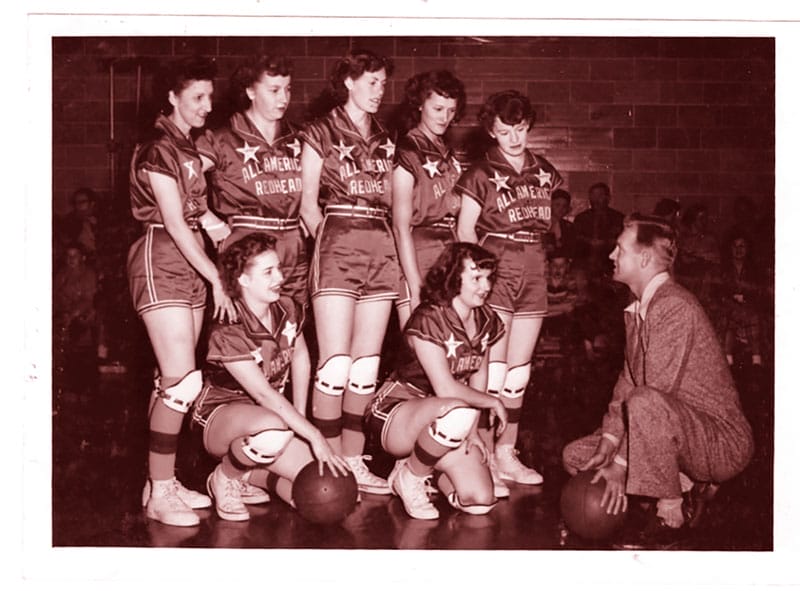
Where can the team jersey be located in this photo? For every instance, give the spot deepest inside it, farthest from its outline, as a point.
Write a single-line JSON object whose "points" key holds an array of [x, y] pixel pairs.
{"points": [[435, 173], [510, 201], [250, 176], [248, 339], [355, 170], [442, 326], [172, 154]]}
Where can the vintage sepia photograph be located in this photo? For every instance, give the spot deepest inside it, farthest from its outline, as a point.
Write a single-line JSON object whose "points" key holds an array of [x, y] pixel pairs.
{"points": [[411, 284]]}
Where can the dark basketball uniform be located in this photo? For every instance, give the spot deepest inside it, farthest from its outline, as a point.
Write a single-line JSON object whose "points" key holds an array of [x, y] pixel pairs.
{"points": [[435, 205], [256, 186], [515, 214], [158, 274], [442, 326], [247, 339], [354, 254]]}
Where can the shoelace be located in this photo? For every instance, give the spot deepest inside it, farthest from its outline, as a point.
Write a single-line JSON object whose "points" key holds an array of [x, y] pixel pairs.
{"points": [[418, 491], [360, 468]]}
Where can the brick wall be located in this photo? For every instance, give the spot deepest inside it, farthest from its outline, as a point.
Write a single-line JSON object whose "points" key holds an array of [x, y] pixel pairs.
{"points": [[688, 118]]}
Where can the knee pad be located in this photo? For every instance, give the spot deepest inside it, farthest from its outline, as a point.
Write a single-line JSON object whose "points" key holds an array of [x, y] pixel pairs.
{"points": [[180, 396], [265, 446], [364, 375], [516, 381], [332, 377], [455, 502], [496, 377], [451, 428]]}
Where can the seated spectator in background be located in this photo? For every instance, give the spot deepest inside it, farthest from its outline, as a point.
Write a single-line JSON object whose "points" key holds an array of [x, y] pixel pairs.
{"points": [[597, 228], [560, 287], [741, 290], [79, 225], [561, 235], [669, 209], [697, 264], [74, 289]]}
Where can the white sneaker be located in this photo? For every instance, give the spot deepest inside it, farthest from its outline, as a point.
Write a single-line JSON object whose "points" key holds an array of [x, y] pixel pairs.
{"points": [[252, 494], [192, 498], [227, 495], [510, 468], [501, 490], [165, 505], [454, 501], [411, 490], [367, 481]]}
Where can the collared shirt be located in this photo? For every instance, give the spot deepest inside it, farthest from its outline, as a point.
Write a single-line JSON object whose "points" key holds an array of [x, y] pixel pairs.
{"points": [[640, 306], [356, 170], [250, 176], [510, 201], [435, 170], [172, 154]]}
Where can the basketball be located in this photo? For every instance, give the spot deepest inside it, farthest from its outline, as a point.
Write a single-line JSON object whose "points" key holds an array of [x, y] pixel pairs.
{"points": [[581, 510], [324, 499]]}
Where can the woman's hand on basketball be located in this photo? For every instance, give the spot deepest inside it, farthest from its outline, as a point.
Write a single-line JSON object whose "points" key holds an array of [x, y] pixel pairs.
{"points": [[614, 498], [325, 455], [224, 310]]}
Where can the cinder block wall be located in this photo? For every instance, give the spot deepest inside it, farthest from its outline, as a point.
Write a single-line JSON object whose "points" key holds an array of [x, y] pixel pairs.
{"points": [[687, 118]]}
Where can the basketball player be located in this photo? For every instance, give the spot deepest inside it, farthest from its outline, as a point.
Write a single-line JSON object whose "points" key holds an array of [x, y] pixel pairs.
{"points": [[247, 421], [166, 271], [347, 173], [505, 207]]}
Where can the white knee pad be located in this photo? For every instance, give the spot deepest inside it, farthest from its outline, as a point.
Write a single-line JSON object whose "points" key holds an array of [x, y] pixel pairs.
{"points": [[332, 377], [516, 381], [496, 377], [364, 375], [180, 396], [451, 428], [455, 502], [264, 447]]}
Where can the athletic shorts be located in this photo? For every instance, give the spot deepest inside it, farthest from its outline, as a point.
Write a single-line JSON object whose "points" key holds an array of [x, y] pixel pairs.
{"points": [[520, 286], [429, 242], [291, 248], [213, 397], [160, 277], [387, 401], [355, 257]]}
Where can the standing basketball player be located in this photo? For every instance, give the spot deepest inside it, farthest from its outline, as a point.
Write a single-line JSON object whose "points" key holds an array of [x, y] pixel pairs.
{"points": [[166, 269], [347, 173]]}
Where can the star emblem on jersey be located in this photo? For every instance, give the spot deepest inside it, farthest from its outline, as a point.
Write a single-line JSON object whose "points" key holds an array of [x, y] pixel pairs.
{"points": [[452, 345], [388, 147], [190, 167], [290, 331], [256, 353], [500, 182], [295, 146], [248, 152], [544, 178], [432, 167], [484, 342], [344, 151]]}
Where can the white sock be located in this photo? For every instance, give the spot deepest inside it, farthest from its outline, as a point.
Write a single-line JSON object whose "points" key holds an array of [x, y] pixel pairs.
{"points": [[670, 511]]}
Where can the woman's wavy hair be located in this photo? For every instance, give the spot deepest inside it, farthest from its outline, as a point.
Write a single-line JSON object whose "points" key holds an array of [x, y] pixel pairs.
{"points": [[353, 66], [510, 106], [443, 281], [251, 72], [420, 87], [236, 259], [177, 74]]}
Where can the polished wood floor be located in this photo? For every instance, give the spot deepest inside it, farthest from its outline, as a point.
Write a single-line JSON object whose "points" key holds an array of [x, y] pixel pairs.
{"points": [[99, 452]]}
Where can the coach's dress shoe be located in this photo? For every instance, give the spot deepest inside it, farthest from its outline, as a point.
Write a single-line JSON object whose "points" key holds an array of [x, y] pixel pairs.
{"points": [[696, 502]]}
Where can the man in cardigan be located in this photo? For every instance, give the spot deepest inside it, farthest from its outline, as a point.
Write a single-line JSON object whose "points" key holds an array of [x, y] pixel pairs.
{"points": [[675, 415]]}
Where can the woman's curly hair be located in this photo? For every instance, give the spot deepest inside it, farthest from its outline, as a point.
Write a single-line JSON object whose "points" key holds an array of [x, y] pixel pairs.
{"points": [[510, 106], [251, 72], [353, 66], [443, 281], [238, 257], [421, 86]]}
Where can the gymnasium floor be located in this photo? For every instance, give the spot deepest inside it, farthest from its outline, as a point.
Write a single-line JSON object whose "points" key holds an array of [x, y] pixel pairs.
{"points": [[99, 453]]}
